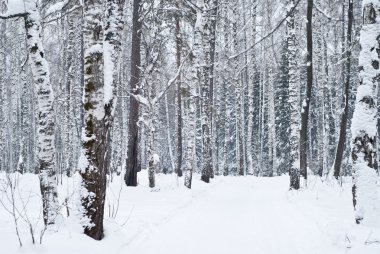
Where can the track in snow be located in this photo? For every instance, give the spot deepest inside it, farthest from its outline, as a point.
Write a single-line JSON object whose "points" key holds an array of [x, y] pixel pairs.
{"points": [[253, 215]]}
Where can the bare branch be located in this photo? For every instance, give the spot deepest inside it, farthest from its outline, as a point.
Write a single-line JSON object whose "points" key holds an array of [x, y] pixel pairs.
{"points": [[268, 34], [14, 15]]}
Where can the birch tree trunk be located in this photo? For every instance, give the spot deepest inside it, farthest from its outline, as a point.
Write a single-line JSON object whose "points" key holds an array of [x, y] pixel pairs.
{"points": [[101, 44], [45, 122], [293, 100], [213, 21], [205, 94], [196, 55], [365, 190], [179, 93], [250, 93], [93, 163], [3, 63], [320, 97]]}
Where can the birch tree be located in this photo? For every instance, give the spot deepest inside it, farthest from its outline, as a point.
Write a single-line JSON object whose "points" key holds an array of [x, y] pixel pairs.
{"points": [[205, 91], [365, 190], [46, 165], [101, 44], [293, 98]]}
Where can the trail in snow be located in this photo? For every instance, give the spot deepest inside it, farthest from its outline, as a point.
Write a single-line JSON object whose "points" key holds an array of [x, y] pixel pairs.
{"points": [[230, 215], [247, 215]]}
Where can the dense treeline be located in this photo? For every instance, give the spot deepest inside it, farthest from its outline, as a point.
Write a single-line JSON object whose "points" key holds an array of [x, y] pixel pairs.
{"points": [[247, 87]]}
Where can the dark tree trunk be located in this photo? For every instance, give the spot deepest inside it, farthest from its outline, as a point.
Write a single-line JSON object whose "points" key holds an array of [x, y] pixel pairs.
{"points": [[214, 13], [179, 93], [98, 107], [205, 95], [343, 123], [94, 138], [130, 177], [306, 102]]}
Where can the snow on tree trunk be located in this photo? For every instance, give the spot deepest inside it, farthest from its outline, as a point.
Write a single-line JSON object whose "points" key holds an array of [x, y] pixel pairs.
{"points": [[45, 123], [205, 93], [189, 162], [196, 55], [70, 67], [92, 164], [306, 101], [152, 156], [320, 87], [101, 43], [3, 63], [250, 93], [293, 99], [271, 125], [226, 99], [172, 164], [238, 96], [179, 92], [133, 131], [214, 139], [365, 190]]}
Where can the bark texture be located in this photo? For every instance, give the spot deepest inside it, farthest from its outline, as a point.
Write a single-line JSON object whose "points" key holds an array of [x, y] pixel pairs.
{"points": [[45, 122], [132, 164], [293, 101], [306, 102], [365, 191], [344, 117]]}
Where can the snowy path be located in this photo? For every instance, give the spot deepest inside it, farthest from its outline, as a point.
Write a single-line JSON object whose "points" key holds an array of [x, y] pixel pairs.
{"points": [[245, 215], [231, 215]]}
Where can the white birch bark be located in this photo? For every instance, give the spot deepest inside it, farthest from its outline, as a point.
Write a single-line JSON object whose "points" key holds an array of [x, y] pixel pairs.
{"points": [[189, 153], [45, 122], [365, 190], [294, 170]]}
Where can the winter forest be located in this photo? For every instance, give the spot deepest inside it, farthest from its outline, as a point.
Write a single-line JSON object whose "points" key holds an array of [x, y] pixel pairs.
{"points": [[189, 126]]}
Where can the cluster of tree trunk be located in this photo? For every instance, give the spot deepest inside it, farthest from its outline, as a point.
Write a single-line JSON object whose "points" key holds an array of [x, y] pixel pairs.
{"points": [[253, 87]]}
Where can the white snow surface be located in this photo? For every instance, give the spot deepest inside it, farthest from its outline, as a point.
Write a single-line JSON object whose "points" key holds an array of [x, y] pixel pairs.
{"points": [[230, 215], [108, 72]]}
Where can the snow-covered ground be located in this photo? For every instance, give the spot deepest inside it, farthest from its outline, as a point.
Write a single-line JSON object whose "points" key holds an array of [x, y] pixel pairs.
{"points": [[230, 215]]}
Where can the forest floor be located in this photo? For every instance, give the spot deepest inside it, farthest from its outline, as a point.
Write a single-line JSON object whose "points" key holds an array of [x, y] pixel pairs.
{"points": [[231, 215]]}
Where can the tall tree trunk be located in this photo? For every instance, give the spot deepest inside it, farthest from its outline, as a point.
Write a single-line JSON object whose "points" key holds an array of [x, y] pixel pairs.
{"points": [[213, 21], [3, 63], [344, 116], [45, 135], [205, 94], [152, 156], [195, 79], [168, 133], [130, 177], [101, 40], [251, 84], [306, 102], [92, 165], [179, 93], [364, 145], [70, 68], [293, 100]]}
